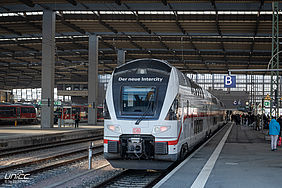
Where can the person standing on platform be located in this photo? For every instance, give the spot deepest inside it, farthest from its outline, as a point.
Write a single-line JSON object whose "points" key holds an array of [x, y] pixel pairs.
{"points": [[76, 118], [274, 130]]}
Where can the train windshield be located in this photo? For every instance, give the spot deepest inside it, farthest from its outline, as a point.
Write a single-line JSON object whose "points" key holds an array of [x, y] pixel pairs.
{"points": [[137, 100]]}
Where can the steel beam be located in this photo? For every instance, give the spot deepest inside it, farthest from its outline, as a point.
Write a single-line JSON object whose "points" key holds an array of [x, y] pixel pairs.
{"points": [[274, 87], [70, 25], [73, 2], [28, 3], [105, 24], [11, 30], [118, 2]]}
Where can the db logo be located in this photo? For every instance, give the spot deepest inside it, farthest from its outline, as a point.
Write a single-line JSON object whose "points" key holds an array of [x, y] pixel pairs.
{"points": [[136, 130]]}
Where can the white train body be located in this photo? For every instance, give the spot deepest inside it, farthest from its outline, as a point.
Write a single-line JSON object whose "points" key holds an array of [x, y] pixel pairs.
{"points": [[154, 114]]}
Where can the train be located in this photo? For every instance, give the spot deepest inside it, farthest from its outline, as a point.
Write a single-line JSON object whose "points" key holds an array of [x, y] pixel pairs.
{"points": [[24, 113], [154, 115], [71, 110]]}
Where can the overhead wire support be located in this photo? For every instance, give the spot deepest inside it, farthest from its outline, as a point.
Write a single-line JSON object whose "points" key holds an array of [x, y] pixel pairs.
{"points": [[274, 87]]}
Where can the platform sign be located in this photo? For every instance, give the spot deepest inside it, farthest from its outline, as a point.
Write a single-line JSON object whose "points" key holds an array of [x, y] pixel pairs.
{"points": [[267, 97], [266, 103], [57, 103], [229, 81]]}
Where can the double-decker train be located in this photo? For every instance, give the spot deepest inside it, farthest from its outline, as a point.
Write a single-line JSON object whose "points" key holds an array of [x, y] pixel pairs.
{"points": [[154, 115], [17, 112]]}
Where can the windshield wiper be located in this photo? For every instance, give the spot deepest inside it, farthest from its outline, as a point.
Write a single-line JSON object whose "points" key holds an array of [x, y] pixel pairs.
{"points": [[145, 113]]}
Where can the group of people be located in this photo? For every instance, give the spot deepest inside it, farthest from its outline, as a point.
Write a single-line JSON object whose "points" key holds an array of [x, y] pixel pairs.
{"points": [[257, 121], [248, 120]]}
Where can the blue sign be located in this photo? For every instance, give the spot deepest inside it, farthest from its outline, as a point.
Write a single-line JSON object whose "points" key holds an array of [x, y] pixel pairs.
{"points": [[229, 81]]}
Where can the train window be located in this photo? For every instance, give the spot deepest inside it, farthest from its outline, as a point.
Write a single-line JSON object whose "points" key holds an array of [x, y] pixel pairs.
{"points": [[76, 110], [138, 100], [24, 110], [7, 111], [173, 111], [181, 78], [106, 112], [32, 110], [214, 100], [198, 126], [67, 111]]}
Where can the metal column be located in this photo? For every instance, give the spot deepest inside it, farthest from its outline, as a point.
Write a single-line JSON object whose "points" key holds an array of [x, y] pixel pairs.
{"points": [[48, 69], [120, 57], [275, 60], [212, 81], [263, 86], [92, 79], [246, 79], [252, 89]]}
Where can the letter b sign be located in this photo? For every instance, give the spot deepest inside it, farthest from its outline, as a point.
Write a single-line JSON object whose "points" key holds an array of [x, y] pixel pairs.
{"points": [[229, 81]]}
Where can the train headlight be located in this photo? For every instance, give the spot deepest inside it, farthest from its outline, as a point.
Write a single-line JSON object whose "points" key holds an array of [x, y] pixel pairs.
{"points": [[114, 128], [160, 129]]}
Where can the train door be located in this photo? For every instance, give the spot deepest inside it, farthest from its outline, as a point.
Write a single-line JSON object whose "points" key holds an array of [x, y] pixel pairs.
{"points": [[18, 112], [83, 113], [75, 110], [66, 112]]}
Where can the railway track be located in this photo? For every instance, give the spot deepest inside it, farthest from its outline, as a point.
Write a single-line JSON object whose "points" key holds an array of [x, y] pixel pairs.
{"points": [[50, 162], [132, 178], [144, 178], [13, 151]]}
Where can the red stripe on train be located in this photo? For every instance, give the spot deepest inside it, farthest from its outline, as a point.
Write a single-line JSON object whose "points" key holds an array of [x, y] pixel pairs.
{"points": [[173, 142], [106, 141]]}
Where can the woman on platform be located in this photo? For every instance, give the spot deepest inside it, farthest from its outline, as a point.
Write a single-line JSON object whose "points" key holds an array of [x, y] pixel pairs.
{"points": [[274, 129]]}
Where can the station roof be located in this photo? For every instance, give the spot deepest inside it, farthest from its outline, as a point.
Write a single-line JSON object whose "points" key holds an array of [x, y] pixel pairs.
{"points": [[195, 36]]}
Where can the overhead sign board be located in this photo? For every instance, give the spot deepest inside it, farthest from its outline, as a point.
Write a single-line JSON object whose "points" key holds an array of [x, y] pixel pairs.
{"points": [[267, 97], [266, 103], [229, 81]]}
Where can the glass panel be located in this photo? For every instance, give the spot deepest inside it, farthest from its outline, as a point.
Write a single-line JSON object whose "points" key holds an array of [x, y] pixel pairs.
{"points": [[138, 100], [7, 111]]}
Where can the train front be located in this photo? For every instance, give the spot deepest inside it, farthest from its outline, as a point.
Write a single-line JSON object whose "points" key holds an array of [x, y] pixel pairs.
{"points": [[133, 114]]}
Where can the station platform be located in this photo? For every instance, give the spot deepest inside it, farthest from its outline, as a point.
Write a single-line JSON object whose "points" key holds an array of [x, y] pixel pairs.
{"points": [[237, 156], [31, 135]]}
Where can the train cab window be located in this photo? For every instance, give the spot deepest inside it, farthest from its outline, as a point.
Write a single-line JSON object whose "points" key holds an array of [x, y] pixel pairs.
{"points": [[173, 111], [137, 100], [106, 112]]}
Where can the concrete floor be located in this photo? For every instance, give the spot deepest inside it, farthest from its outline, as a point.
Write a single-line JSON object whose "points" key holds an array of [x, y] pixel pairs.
{"points": [[244, 161]]}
